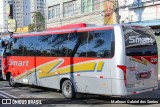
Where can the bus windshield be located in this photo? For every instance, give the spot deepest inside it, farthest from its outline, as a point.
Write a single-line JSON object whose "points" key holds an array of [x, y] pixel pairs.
{"points": [[140, 42]]}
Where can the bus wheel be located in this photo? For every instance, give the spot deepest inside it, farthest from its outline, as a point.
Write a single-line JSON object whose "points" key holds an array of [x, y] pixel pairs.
{"points": [[68, 89], [12, 83]]}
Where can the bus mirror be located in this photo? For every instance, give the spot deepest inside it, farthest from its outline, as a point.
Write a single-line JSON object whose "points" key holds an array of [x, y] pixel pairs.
{"points": [[4, 43]]}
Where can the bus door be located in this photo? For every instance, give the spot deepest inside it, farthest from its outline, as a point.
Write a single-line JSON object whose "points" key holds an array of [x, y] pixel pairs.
{"points": [[4, 51], [30, 58], [16, 62], [141, 58]]}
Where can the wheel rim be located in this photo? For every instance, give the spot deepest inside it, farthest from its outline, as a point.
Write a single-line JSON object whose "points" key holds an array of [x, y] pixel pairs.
{"points": [[12, 80], [68, 88]]}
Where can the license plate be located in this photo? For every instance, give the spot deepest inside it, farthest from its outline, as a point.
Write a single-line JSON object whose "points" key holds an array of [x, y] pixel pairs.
{"points": [[143, 75]]}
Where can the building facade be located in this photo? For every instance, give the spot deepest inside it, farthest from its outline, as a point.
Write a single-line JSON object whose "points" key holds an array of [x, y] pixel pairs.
{"points": [[3, 15], [21, 10], [140, 12], [91, 12], [24, 11]]}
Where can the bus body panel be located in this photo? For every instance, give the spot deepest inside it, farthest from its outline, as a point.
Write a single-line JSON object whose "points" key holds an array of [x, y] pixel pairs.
{"points": [[137, 67], [141, 59], [117, 76], [38, 71]]}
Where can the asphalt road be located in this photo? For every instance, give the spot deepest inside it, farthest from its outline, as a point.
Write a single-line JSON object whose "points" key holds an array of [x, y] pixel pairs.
{"points": [[56, 98]]}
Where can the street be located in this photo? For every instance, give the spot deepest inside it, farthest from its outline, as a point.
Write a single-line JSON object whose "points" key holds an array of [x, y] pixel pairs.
{"points": [[53, 96]]}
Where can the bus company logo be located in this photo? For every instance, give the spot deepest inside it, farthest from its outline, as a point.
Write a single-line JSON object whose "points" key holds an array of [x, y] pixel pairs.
{"points": [[141, 41], [145, 60], [18, 63]]}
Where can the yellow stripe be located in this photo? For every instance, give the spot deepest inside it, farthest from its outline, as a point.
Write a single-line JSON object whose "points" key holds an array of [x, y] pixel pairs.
{"points": [[90, 66], [43, 68], [100, 66]]}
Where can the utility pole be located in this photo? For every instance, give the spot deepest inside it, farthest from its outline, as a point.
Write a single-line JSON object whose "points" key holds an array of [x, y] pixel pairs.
{"points": [[116, 10]]}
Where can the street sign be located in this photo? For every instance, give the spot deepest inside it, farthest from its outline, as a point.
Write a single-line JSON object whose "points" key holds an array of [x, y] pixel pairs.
{"points": [[12, 25], [8, 9]]}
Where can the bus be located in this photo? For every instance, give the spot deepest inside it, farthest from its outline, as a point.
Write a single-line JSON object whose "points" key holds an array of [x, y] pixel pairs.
{"points": [[112, 60]]}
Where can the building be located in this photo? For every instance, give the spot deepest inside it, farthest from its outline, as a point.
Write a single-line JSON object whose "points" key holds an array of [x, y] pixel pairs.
{"points": [[91, 12], [3, 15], [21, 10], [24, 11], [37, 6], [140, 12]]}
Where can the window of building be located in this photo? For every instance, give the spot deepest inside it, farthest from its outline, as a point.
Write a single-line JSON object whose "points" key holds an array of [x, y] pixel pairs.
{"points": [[90, 5], [86, 6], [96, 4], [49, 13], [54, 12], [70, 8]]}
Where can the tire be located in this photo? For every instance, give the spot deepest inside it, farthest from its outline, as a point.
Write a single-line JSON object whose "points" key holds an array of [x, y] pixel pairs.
{"points": [[12, 83], [68, 89]]}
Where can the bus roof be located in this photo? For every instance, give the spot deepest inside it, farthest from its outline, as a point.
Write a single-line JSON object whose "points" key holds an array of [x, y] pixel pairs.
{"points": [[69, 26], [63, 31], [49, 32]]}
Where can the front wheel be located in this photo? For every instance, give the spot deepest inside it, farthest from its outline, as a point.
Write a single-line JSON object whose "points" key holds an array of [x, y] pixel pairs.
{"points": [[12, 83], [68, 89]]}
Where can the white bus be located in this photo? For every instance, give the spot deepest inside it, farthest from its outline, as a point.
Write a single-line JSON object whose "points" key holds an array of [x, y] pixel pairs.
{"points": [[114, 60]]}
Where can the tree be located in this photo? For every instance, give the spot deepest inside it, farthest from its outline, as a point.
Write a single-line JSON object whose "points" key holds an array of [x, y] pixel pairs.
{"points": [[38, 22]]}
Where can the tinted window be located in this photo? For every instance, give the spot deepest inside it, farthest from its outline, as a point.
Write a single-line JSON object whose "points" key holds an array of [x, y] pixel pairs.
{"points": [[94, 44], [59, 45], [140, 42], [71, 43], [80, 49], [18, 47], [30, 46], [43, 46], [99, 44]]}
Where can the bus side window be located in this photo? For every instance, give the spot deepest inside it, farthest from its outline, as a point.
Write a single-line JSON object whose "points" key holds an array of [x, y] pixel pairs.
{"points": [[99, 44], [80, 48]]}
